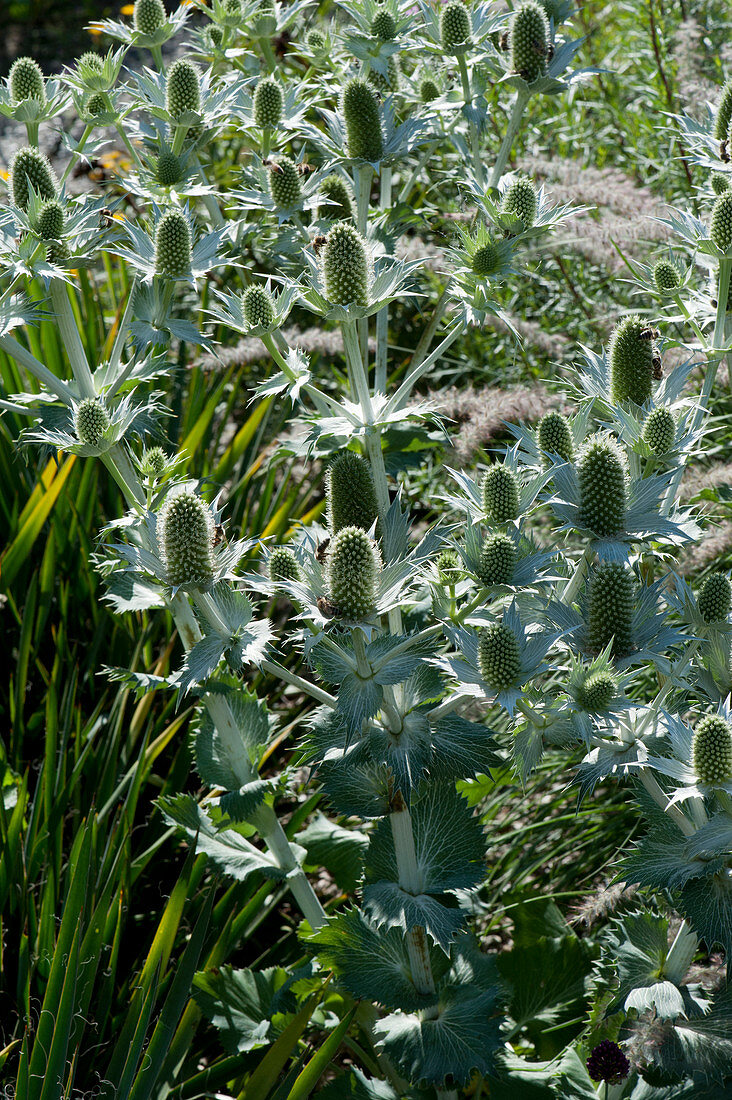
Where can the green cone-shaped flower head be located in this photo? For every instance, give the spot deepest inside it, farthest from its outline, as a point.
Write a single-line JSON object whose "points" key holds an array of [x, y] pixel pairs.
{"points": [[428, 90], [720, 182], [346, 265], [214, 35], [350, 493], [57, 253], [26, 81], [659, 430], [153, 463], [596, 691], [282, 565], [31, 165], [554, 437], [352, 572], [360, 110], [500, 493], [168, 168], [182, 89], [497, 560], [340, 203], [454, 25], [521, 200], [268, 103], [258, 307], [388, 83], [666, 277], [148, 16], [499, 656], [173, 245], [91, 61], [723, 117], [711, 749], [715, 598], [284, 183], [529, 41], [384, 25], [486, 259], [91, 421], [316, 40], [449, 566], [720, 229], [631, 361], [602, 477], [50, 220], [186, 534], [611, 604], [96, 105]]}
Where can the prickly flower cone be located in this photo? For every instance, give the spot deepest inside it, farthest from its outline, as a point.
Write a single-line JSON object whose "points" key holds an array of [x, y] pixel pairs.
{"points": [[384, 25], [666, 277], [715, 598], [153, 463], [182, 89], [168, 168], [521, 200], [720, 230], [346, 266], [148, 16], [428, 90], [659, 430], [529, 41], [340, 203], [282, 565], [485, 260], [30, 165], [602, 476], [173, 245], [185, 531], [91, 421], [499, 656], [284, 183], [258, 307], [720, 183], [449, 567], [611, 604], [360, 109], [454, 25], [352, 571], [555, 436], [350, 493], [597, 690], [500, 493], [497, 560], [50, 221], [723, 116], [631, 361], [711, 749], [268, 103], [26, 81]]}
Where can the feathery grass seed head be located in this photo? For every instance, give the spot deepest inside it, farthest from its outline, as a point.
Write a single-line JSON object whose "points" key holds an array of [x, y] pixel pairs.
{"points": [[554, 436], [352, 570], [350, 493], [631, 361], [715, 598], [500, 493], [659, 430], [711, 749], [360, 110], [268, 103], [91, 420], [602, 476], [26, 80], [499, 656], [497, 560], [173, 245], [528, 37], [611, 605], [186, 539], [346, 266], [182, 88]]}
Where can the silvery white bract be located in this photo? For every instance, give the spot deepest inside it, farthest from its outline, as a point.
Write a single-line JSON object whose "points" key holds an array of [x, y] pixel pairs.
{"points": [[126, 33]]}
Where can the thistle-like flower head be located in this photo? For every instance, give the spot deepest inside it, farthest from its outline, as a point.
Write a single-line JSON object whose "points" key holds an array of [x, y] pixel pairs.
{"points": [[168, 168], [50, 220], [340, 202], [91, 421], [173, 245], [350, 493], [666, 277], [602, 475], [282, 565], [186, 532], [182, 88], [384, 25], [631, 361], [521, 200], [499, 656], [316, 40], [659, 430], [428, 89], [258, 307], [352, 570], [554, 437], [597, 690], [26, 80], [608, 1063], [454, 25], [31, 166], [148, 16], [284, 183], [720, 229], [449, 568], [529, 38], [611, 605], [711, 749], [347, 266], [500, 493], [719, 182], [268, 103], [498, 559], [360, 110], [153, 463], [723, 115], [715, 598]]}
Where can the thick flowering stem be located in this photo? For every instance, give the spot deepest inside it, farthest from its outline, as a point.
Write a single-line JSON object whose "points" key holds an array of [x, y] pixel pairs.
{"points": [[474, 136], [70, 337], [519, 105], [382, 317]]}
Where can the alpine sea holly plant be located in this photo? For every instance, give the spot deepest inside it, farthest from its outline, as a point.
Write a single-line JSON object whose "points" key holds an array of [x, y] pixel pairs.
{"points": [[541, 610]]}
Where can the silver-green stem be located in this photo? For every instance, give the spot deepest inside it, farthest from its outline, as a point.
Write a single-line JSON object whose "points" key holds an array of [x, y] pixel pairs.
{"points": [[402, 394], [519, 105], [70, 337], [22, 356], [474, 138], [382, 317], [73, 159], [681, 954], [649, 781], [276, 669]]}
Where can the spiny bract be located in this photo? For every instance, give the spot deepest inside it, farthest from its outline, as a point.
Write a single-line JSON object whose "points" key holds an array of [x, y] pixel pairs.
{"points": [[611, 605], [268, 103], [360, 109], [282, 565], [388, 83], [91, 421], [602, 477], [214, 35], [153, 462], [497, 560], [26, 80], [720, 230], [454, 25], [521, 199], [284, 183], [597, 690], [258, 307], [186, 538], [500, 493], [50, 220], [711, 749], [148, 16], [352, 570], [31, 165], [554, 437], [499, 656], [182, 90], [340, 204], [529, 41], [715, 598], [350, 493], [631, 361], [666, 277], [173, 245], [346, 264], [659, 430]]}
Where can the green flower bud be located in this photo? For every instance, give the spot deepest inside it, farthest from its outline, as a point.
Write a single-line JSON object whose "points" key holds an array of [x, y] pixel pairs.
{"points": [[500, 493], [232, 7], [449, 567], [30, 165], [186, 539], [596, 691], [499, 656], [529, 37], [352, 570], [282, 565], [384, 25], [631, 361], [96, 105], [168, 168], [340, 203], [153, 463], [611, 603], [497, 560], [214, 35], [346, 266], [284, 183], [91, 421], [554, 436], [360, 110], [715, 598], [602, 476], [720, 230], [182, 89], [666, 277], [268, 103], [350, 493], [265, 22], [428, 90], [720, 182], [50, 221], [26, 81], [724, 113], [258, 307], [485, 260], [659, 430], [57, 253], [454, 25], [173, 245], [148, 16], [388, 83], [316, 41], [92, 61], [711, 749], [521, 200]]}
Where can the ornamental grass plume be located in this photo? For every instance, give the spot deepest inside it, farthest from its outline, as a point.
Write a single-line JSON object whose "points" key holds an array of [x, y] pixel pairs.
{"points": [[360, 109], [346, 266], [711, 749], [186, 533], [499, 656], [350, 493], [529, 38], [631, 361], [611, 606], [602, 476], [500, 493], [352, 570], [28, 167]]}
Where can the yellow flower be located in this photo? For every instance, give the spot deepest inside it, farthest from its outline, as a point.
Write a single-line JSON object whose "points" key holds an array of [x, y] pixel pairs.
{"points": [[95, 31], [127, 9]]}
